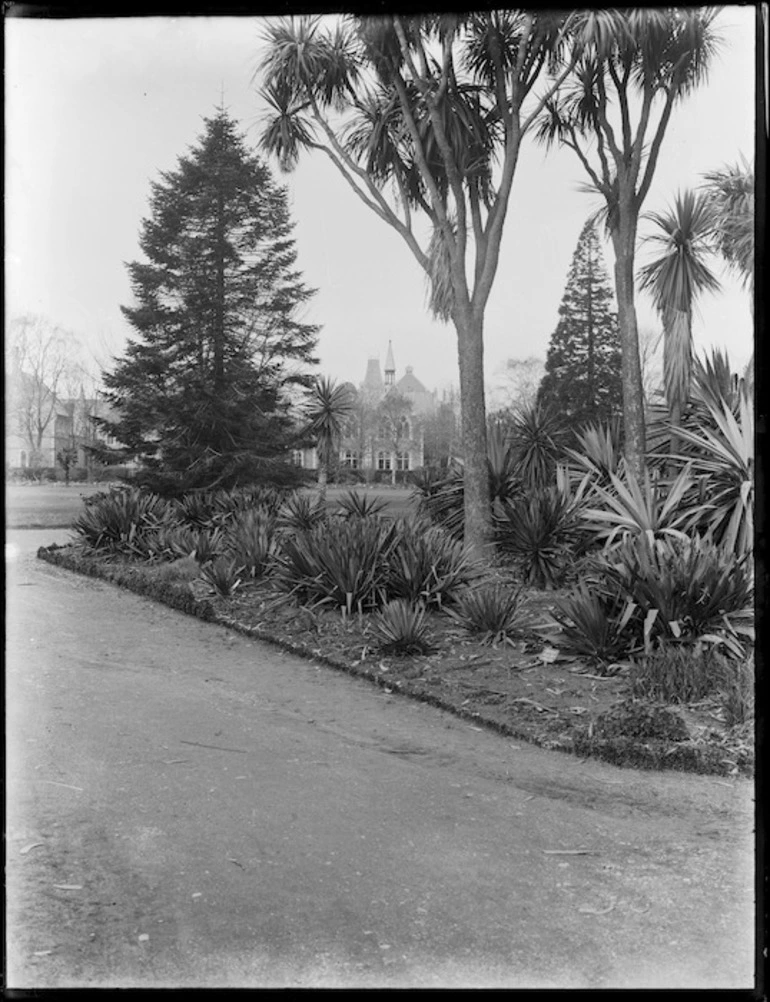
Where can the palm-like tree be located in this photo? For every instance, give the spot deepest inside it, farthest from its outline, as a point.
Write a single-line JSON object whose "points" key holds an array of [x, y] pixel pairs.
{"points": [[675, 280], [730, 194], [327, 407], [425, 114], [634, 66]]}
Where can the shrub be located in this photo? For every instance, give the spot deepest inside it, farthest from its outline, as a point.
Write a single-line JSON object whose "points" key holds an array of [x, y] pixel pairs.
{"points": [[222, 575], [114, 521], [440, 499], [301, 512], [721, 451], [652, 508], [344, 563], [540, 531], [355, 505], [400, 628], [251, 540], [537, 437], [209, 544], [490, 612], [596, 624], [196, 508], [685, 589], [427, 564]]}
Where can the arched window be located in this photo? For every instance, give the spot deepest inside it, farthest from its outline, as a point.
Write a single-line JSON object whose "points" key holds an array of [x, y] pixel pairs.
{"points": [[383, 461], [23, 459], [404, 431]]}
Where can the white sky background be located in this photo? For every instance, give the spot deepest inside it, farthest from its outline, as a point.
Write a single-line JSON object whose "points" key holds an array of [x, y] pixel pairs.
{"points": [[96, 108]]}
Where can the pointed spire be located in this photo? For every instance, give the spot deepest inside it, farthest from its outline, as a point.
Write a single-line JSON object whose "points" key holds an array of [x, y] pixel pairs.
{"points": [[390, 366]]}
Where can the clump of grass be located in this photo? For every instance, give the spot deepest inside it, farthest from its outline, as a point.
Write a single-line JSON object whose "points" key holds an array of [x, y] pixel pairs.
{"points": [[737, 692], [400, 628], [184, 569], [490, 613], [675, 673]]}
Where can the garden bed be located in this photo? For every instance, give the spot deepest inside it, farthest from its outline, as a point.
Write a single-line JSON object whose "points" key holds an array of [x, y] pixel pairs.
{"points": [[527, 689]]}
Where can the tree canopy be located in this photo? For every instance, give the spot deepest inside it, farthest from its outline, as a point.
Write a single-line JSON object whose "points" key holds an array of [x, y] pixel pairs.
{"points": [[582, 378], [203, 389], [424, 116]]}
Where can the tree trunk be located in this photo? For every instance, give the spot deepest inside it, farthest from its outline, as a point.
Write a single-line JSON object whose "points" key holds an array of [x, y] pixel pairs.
{"points": [[470, 352], [623, 240]]}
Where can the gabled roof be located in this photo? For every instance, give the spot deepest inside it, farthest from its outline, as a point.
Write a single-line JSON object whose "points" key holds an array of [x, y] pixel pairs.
{"points": [[409, 383]]}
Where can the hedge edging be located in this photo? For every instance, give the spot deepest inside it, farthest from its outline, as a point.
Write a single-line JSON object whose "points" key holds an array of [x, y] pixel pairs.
{"points": [[650, 754]]}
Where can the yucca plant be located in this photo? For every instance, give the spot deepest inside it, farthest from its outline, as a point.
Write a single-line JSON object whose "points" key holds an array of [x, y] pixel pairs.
{"points": [[209, 544], [251, 540], [196, 508], [115, 522], [301, 512], [441, 497], [490, 612], [724, 457], [343, 563], [400, 628], [355, 505], [222, 575], [442, 500], [598, 454], [686, 589], [426, 563], [540, 531], [537, 438], [597, 624], [652, 508]]}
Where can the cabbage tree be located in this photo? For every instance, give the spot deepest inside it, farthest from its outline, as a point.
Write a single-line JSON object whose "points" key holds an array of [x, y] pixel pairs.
{"points": [[424, 117]]}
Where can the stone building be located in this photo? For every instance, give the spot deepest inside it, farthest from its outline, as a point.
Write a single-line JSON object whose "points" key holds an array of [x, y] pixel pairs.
{"points": [[384, 433]]}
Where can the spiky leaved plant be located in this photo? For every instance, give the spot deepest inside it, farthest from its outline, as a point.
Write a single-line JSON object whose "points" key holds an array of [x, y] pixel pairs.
{"points": [[401, 628]]}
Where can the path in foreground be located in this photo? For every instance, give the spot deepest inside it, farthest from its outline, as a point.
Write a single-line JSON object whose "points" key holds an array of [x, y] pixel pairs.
{"points": [[206, 811]]}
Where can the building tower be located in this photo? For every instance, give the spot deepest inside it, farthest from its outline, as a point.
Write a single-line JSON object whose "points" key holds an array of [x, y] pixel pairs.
{"points": [[390, 367]]}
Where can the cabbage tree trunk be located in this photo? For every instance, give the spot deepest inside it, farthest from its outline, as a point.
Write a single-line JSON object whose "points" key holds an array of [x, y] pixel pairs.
{"points": [[469, 325], [623, 240]]}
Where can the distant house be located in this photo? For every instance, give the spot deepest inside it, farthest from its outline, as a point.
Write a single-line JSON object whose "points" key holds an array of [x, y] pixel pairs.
{"points": [[385, 430], [66, 422]]}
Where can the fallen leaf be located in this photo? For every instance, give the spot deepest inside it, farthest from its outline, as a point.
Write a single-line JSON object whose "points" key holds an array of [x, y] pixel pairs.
{"points": [[41, 953], [27, 848], [143, 938], [69, 887]]}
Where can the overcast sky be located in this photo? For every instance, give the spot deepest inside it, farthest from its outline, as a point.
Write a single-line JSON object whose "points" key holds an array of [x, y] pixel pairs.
{"points": [[96, 108]]}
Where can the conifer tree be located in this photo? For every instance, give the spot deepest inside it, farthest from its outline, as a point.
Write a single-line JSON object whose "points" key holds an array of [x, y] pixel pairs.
{"points": [[582, 380], [202, 391]]}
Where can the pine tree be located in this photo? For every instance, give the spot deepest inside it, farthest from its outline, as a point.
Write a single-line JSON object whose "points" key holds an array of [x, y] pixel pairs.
{"points": [[203, 389], [582, 380]]}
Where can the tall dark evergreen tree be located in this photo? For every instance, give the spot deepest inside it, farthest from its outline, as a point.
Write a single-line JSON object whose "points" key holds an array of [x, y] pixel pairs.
{"points": [[203, 390], [582, 380]]}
